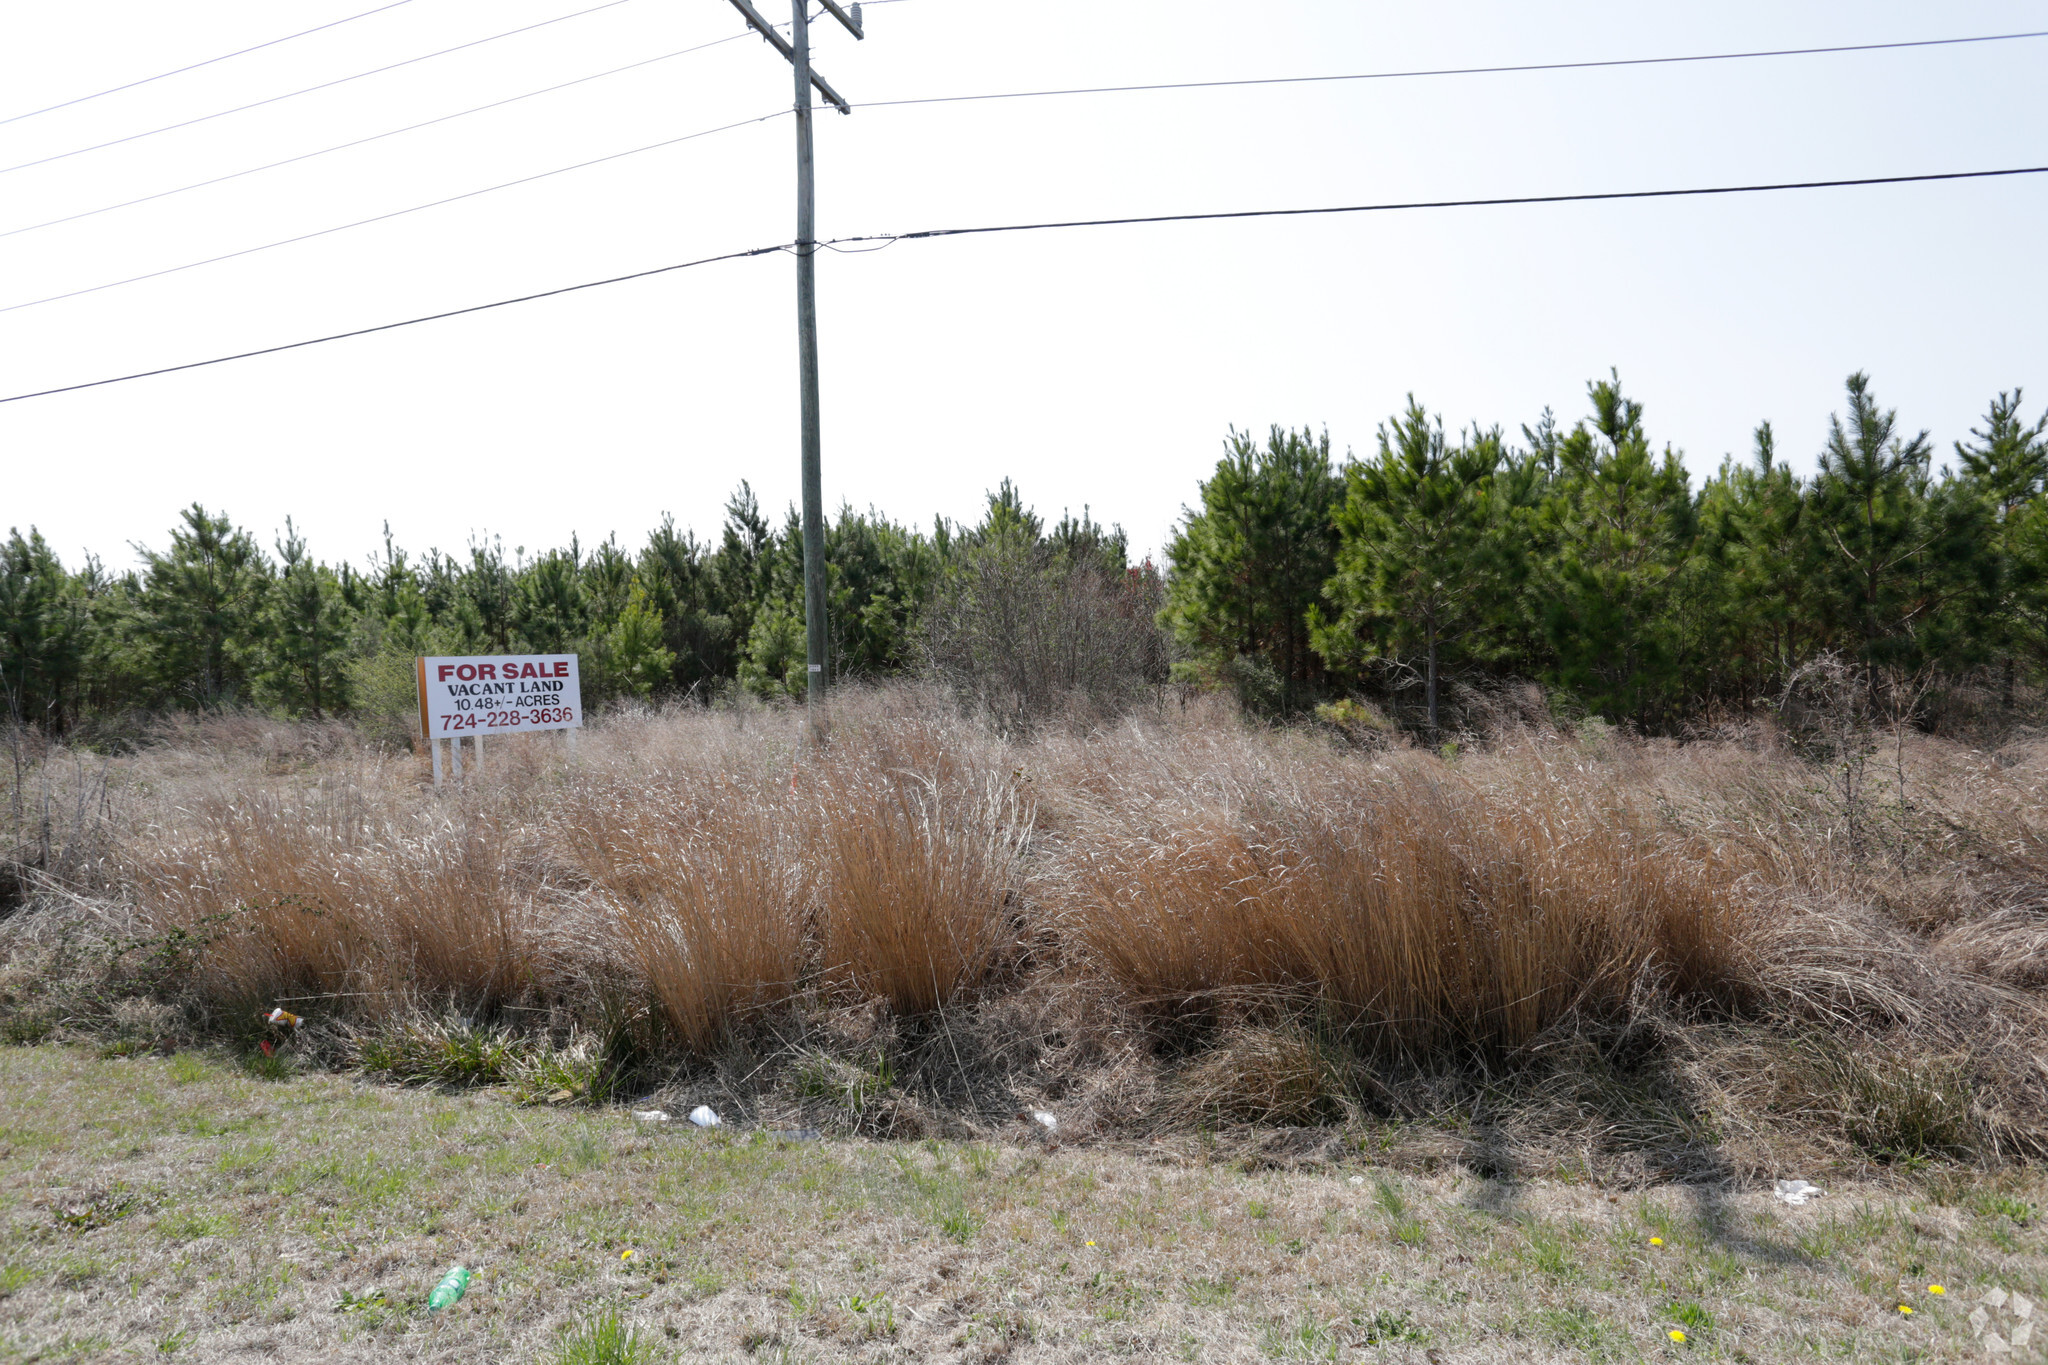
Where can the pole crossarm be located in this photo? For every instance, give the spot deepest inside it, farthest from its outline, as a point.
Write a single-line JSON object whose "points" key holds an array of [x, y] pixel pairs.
{"points": [[851, 21], [781, 44]]}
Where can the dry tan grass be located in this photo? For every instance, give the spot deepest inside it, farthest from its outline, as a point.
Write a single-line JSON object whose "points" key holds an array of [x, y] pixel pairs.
{"points": [[1064, 917], [1431, 909]]}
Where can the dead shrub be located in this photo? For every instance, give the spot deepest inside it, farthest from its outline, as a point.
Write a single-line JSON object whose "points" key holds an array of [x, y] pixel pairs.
{"points": [[1258, 1075]]}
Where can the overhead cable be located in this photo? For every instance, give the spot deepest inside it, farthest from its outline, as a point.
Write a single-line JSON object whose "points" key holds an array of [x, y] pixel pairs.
{"points": [[395, 213], [1503, 201], [324, 85], [373, 137], [409, 322], [179, 71], [1458, 70], [929, 233]]}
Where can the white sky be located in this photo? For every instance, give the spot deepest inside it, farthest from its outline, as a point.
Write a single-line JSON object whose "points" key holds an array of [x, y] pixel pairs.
{"points": [[1097, 367]]}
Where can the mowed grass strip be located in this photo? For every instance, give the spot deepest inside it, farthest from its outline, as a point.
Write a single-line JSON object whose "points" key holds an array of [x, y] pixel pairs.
{"points": [[183, 1209]]}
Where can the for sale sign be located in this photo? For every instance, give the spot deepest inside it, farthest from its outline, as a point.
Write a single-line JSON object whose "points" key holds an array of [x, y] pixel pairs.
{"points": [[499, 694]]}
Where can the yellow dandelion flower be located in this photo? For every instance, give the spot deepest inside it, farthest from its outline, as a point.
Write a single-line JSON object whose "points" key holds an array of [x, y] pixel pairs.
{"points": [[1905, 1310], [1656, 1241], [1677, 1336], [1091, 1244], [1936, 1289], [628, 1254]]}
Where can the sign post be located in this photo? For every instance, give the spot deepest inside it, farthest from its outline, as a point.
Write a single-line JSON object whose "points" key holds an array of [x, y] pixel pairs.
{"points": [[497, 694]]}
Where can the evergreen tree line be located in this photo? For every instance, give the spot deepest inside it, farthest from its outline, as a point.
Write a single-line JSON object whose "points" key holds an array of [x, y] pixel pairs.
{"points": [[1583, 559], [216, 621]]}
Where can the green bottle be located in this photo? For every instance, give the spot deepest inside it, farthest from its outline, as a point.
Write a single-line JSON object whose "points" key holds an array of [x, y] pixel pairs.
{"points": [[452, 1287]]}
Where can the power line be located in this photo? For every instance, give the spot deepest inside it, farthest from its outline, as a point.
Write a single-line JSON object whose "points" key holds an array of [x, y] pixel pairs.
{"points": [[1077, 223], [1460, 70], [179, 71], [409, 322], [395, 213], [374, 137], [324, 85], [1593, 197], [940, 99]]}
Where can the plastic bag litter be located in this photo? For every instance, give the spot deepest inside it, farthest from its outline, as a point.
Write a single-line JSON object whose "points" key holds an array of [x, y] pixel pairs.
{"points": [[1797, 1192], [1997, 1308], [795, 1134], [1046, 1119], [704, 1116], [281, 1015], [651, 1115], [452, 1287]]}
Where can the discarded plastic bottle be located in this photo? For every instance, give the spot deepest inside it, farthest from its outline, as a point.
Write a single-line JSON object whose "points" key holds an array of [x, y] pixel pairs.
{"points": [[452, 1287]]}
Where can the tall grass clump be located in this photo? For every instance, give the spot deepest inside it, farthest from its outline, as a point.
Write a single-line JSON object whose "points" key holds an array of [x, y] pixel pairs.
{"points": [[697, 880], [916, 841], [1420, 909], [342, 889]]}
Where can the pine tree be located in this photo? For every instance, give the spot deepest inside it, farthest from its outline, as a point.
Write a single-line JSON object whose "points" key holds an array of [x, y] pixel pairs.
{"points": [[1247, 569], [1411, 560], [45, 629], [1621, 521], [306, 628], [1870, 511], [2007, 466], [199, 606]]}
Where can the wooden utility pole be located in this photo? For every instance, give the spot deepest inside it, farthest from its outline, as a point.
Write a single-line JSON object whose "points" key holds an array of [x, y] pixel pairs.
{"points": [[797, 49]]}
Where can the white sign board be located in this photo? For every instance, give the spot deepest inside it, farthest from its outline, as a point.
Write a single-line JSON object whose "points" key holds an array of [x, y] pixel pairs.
{"points": [[499, 694]]}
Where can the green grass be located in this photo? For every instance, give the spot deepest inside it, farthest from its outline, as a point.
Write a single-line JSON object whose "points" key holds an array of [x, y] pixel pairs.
{"points": [[602, 1339], [199, 1208]]}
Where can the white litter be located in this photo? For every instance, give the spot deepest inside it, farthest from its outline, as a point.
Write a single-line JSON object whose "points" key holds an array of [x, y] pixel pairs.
{"points": [[1996, 1345], [651, 1115], [2022, 1307], [1797, 1191], [2023, 1334], [1995, 1298], [704, 1116], [1358, 1180], [1046, 1119], [1979, 1320]]}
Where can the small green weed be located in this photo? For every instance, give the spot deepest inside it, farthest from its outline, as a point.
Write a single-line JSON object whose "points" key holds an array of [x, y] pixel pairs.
{"points": [[1386, 1327], [1693, 1318], [97, 1209], [1579, 1329], [1547, 1252], [187, 1069], [189, 1225], [601, 1339], [876, 1312], [26, 1030], [821, 1076], [372, 1308], [1302, 1338]]}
